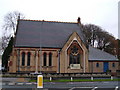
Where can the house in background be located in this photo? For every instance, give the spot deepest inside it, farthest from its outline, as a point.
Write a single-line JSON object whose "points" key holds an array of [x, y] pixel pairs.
{"points": [[101, 61], [56, 47]]}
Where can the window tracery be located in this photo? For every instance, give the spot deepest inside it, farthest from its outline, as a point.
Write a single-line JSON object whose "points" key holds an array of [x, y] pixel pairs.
{"points": [[74, 53]]}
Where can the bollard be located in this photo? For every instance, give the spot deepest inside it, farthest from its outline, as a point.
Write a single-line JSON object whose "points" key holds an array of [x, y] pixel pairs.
{"points": [[71, 79], [111, 77], [50, 78], [92, 78], [40, 81]]}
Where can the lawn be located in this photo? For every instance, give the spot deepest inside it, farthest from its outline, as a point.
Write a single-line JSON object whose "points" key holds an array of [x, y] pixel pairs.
{"points": [[76, 80]]}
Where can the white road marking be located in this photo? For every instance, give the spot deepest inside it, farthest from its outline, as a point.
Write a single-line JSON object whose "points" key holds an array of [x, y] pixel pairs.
{"points": [[79, 82], [79, 87], [105, 82], [11, 83], [52, 82], [94, 88], [28, 83], [20, 83], [34, 83], [116, 88]]}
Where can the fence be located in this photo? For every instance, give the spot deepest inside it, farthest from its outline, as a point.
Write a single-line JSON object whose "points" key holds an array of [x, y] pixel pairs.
{"points": [[46, 75]]}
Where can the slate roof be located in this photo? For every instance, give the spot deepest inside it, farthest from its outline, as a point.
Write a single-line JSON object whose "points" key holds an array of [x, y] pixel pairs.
{"points": [[99, 55], [45, 33]]}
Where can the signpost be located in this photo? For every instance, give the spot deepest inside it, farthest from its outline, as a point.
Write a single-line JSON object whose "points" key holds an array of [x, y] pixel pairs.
{"points": [[40, 81]]}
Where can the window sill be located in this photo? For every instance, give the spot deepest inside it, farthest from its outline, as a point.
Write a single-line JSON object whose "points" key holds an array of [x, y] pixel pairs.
{"points": [[25, 66], [47, 66]]}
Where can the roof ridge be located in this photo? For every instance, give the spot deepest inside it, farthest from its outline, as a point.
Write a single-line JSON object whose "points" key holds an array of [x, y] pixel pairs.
{"points": [[47, 21]]}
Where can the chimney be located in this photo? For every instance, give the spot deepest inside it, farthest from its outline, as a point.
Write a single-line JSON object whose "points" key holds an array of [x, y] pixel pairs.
{"points": [[78, 20]]}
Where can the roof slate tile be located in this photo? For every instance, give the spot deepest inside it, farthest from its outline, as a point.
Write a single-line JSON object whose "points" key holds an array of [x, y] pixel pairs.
{"points": [[98, 55], [45, 34]]}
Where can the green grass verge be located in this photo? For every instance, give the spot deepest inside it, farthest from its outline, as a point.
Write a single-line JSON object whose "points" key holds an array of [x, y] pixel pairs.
{"points": [[76, 80]]}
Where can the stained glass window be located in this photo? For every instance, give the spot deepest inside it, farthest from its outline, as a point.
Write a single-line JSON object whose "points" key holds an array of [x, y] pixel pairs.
{"points": [[74, 55]]}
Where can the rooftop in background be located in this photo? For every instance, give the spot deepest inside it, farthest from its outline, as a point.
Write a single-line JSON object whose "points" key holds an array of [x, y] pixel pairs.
{"points": [[98, 55]]}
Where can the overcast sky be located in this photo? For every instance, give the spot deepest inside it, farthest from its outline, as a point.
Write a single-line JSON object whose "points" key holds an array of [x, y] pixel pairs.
{"points": [[103, 13]]}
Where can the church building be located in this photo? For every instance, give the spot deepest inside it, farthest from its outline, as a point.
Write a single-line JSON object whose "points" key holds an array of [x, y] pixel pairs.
{"points": [[56, 47]]}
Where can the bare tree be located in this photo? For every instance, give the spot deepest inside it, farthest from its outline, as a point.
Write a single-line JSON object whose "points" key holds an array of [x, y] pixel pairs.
{"points": [[0, 46], [5, 40], [104, 39], [91, 32], [10, 23]]}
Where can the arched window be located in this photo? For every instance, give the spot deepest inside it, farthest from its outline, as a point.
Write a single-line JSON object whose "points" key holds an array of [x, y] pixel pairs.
{"points": [[44, 59], [74, 55], [23, 58], [113, 64], [97, 64], [28, 58], [50, 59]]}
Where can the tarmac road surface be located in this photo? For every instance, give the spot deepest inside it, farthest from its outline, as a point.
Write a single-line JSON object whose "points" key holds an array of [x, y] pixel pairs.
{"points": [[108, 85]]}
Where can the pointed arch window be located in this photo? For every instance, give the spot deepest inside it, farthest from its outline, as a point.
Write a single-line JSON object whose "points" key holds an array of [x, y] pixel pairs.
{"points": [[74, 55], [28, 58], [50, 59], [44, 59], [23, 58]]}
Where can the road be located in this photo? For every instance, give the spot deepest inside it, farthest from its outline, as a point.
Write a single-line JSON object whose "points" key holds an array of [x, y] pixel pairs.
{"points": [[65, 85], [12, 84]]}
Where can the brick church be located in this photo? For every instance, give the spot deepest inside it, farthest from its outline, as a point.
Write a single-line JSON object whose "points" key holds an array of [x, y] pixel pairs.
{"points": [[56, 47]]}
